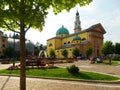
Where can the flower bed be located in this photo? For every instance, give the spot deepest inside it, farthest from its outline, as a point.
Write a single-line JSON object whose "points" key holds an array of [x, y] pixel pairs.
{"points": [[5, 62]]}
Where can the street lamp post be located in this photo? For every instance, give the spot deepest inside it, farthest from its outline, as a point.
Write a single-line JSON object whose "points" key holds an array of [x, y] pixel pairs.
{"points": [[14, 50]]}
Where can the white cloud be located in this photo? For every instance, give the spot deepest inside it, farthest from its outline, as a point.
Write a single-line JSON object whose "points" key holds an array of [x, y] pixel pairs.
{"points": [[97, 12]]}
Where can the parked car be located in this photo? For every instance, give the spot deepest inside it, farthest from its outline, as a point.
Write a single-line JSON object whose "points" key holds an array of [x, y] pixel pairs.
{"points": [[80, 57]]}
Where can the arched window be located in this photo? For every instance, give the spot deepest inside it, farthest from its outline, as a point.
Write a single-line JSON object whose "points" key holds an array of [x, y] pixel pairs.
{"points": [[3, 45], [83, 39], [3, 40], [50, 45], [68, 42], [64, 42]]}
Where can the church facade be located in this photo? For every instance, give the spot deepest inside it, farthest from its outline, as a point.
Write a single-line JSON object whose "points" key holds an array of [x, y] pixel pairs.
{"points": [[82, 39]]}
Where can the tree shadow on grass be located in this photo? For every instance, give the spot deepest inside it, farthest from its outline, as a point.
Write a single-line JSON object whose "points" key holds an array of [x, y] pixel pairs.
{"points": [[81, 75], [4, 84]]}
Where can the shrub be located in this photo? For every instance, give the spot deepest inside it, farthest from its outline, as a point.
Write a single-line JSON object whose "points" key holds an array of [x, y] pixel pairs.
{"points": [[73, 69]]}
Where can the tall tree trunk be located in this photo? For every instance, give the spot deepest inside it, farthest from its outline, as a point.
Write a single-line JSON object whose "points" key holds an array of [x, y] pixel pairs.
{"points": [[22, 46], [22, 60]]}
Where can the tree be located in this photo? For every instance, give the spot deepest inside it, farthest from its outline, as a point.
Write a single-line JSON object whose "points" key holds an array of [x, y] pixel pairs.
{"points": [[76, 52], [117, 48], [40, 47], [9, 52], [107, 49], [17, 55], [21, 15], [36, 49], [65, 53], [88, 51]]}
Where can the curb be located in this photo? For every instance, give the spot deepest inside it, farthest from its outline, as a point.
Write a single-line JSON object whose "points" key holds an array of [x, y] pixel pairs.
{"points": [[78, 80], [68, 79]]}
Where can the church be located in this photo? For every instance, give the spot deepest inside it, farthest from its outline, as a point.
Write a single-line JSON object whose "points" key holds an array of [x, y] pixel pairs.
{"points": [[82, 39]]}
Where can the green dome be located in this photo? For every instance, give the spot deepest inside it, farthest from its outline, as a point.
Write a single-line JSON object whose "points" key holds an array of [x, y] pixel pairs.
{"points": [[62, 30], [76, 38]]}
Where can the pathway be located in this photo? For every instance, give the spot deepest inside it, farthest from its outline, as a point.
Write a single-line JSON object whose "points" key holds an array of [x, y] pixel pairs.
{"points": [[12, 83]]}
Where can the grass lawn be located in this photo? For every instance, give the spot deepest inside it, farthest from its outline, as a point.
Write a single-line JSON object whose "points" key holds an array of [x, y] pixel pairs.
{"points": [[105, 62], [62, 73]]}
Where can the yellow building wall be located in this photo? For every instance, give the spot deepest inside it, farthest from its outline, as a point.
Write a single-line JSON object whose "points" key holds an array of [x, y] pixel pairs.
{"points": [[84, 35], [95, 40], [50, 45], [58, 43], [62, 35], [70, 38], [59, 53], [66, 40]]}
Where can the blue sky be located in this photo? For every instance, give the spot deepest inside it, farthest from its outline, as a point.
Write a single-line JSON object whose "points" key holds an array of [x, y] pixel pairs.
{"points": [[106, 12]]}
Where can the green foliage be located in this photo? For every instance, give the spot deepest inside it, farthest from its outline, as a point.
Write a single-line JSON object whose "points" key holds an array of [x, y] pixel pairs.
{"points": [[37, 48], [76, 52], [73, 69], [117, 48], [9, 52], [33, 12], [107, 48], [65, 53], [89, 51], [17, 54], [52, 53], [116, 58], [26, 52], [114, 62], [36, 51], [41, 47]]}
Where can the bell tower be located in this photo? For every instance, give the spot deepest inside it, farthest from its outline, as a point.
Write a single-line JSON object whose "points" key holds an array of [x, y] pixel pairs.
{"points": [[77, 27]]}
